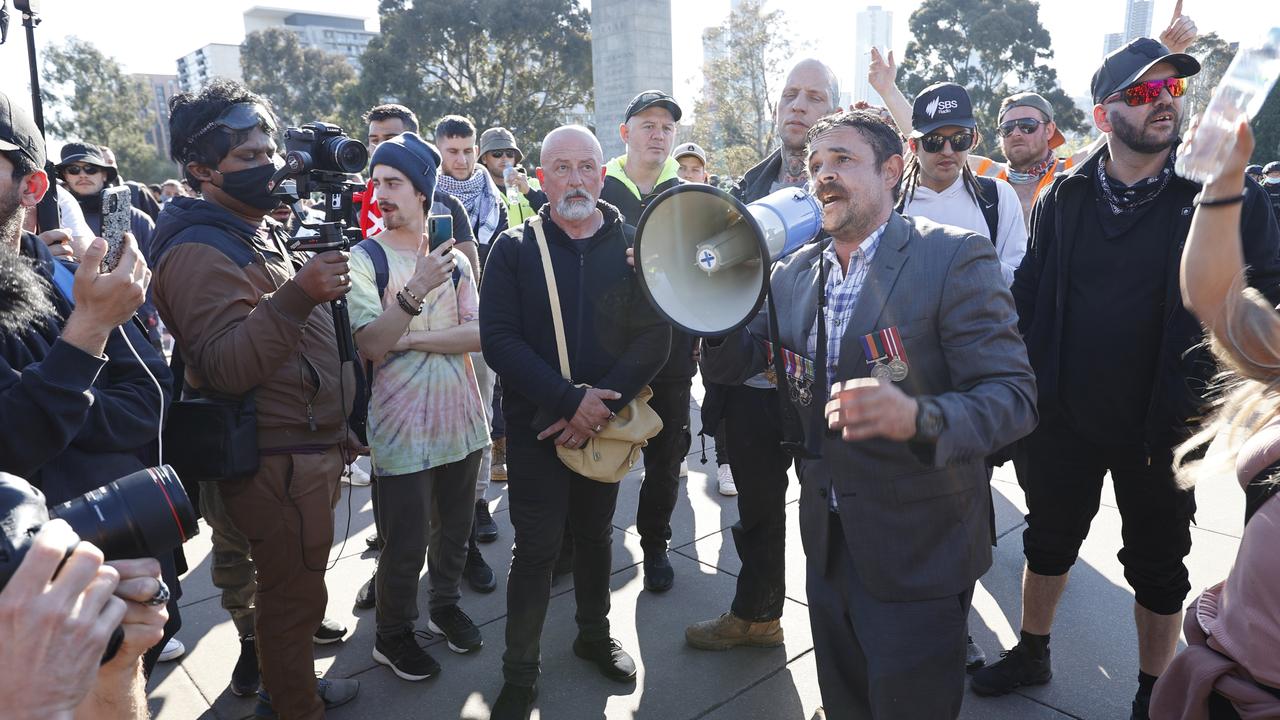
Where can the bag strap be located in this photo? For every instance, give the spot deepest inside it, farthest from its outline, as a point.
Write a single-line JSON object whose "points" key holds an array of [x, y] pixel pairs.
{"points": [[553, 295], [989, 203], [382, 277]]}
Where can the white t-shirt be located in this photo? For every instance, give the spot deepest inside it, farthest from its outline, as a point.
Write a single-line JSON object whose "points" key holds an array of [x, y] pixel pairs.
{"points": [[955, 206], [72, 219]]}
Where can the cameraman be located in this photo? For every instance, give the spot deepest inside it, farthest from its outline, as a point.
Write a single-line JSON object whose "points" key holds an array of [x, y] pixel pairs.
{"points": [[247, 319], [57, 614], [78, 407]]}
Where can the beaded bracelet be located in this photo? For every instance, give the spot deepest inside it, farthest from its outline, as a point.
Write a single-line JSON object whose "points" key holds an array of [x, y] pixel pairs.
{"points": [[406, 306]]}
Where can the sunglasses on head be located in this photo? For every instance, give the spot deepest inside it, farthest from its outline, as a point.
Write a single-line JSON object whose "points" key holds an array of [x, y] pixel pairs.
{"points": [[502, 153], [86, 169], [960, 142], [1149, 91], [1026, 125]]}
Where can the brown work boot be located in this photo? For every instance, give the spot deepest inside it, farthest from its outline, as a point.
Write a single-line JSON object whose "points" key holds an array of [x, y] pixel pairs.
{"points": [[498, 467], [729, 630]]}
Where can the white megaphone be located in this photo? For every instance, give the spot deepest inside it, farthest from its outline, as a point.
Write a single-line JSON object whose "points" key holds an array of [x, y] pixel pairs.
{"points": [[703, 257]]}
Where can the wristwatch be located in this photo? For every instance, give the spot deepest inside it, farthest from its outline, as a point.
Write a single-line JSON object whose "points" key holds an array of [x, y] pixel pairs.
{"points": [[930, 421]]}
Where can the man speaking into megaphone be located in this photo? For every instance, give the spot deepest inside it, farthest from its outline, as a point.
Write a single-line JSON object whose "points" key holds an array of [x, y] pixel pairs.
{"points": [[904, 365]]}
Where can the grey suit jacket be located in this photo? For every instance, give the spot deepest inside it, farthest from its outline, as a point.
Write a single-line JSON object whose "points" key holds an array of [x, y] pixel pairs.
{"points": [[916, 517]]}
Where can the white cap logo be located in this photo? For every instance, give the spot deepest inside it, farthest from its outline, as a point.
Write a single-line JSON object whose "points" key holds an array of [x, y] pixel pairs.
{"points": [[940, 106]]}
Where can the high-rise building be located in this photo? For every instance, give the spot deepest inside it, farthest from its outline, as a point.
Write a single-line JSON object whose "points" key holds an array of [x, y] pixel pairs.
{"points": [[217, 60], [630, 53], [1112, 42], [873, 28], [344, 35], [159, 89], [1137, 19]]}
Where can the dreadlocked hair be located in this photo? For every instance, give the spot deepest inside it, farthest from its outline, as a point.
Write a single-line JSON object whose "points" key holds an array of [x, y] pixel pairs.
{"points": [[911, 181]]}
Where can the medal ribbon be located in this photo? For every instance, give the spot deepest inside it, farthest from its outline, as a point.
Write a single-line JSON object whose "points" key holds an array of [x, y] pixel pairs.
{"points": [[874, 347], [893, 343], [796, 365]]}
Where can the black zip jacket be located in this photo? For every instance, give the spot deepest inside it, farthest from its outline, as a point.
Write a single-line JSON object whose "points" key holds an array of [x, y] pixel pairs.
{"points": [[73, 421], [615, 340], [680, 364], [1184, 366]]}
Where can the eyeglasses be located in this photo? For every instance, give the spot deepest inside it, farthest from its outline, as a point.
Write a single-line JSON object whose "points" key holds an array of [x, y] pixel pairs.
{"points": [[1148, 92], [496, 154], [1026, 125], [960, 142], [86, 169]]}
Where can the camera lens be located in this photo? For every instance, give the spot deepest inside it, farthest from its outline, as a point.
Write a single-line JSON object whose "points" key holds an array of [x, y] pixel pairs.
{"points": [[346, 154], [143, 514]]}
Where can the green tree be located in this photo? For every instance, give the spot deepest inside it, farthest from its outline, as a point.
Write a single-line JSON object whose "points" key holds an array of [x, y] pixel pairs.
{"points": [[1215, 55], [736, 111], [994, 48], [1266, 129], [88, 97], [303, 84], [523, 65]]}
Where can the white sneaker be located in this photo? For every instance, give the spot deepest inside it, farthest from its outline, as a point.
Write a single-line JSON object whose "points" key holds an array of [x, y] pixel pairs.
{"points": [[355, 475], [173, 650], [725, 476], [684, 468]]}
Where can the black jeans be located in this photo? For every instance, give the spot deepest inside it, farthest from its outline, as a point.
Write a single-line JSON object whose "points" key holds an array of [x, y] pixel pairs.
{"points": [[753, 433], [662, 458], [543, 494]]}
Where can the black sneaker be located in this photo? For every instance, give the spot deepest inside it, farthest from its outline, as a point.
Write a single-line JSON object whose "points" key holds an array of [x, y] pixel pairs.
{"points": [[514, 702], [608, 655], [372, 541], [245, 677], [457, 628], [330, 631], [478, 573], [367, 597], [659, 576], [486, 528], [1016, 668], [1141, 706], [405, 657]]}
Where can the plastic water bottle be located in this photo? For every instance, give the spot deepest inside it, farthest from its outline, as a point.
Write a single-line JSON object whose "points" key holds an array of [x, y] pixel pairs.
{"points": [[1241, 93], [513, 190]]}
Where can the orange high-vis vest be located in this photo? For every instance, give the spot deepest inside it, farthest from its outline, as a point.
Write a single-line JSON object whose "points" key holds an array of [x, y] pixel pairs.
{"points": [[1063, 165]]}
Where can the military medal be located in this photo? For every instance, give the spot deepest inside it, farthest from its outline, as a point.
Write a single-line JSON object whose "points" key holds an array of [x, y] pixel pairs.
{"points": [[886, 355], [800, 374]]}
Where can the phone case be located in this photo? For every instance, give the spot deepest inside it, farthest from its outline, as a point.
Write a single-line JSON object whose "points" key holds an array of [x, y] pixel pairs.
{"points": [[116, 206]]}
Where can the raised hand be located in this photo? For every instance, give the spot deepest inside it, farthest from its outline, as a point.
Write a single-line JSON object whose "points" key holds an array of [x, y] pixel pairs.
{"points": [[1181, 33], [883, 71]]}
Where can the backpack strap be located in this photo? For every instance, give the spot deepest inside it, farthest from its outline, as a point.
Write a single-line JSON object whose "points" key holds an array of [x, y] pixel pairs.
{"points": [[989, 203], [382, 277]]}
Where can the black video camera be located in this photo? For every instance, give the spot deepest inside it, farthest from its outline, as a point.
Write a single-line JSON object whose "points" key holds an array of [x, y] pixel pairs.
{"points": [[321, 154], [144, 514]]}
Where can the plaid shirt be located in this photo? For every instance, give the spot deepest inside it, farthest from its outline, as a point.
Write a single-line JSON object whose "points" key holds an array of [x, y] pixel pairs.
{"points": [[842, 292]]}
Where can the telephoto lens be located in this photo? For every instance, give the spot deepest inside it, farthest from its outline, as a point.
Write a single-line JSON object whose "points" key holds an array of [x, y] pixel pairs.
{"points": [[143, 514]]}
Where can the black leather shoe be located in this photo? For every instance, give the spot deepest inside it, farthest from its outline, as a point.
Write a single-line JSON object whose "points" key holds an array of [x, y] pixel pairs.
{"points": [[244, 677], [514, 702], [1017, 667], [478, 573], [659, 576], [486, 528], [366, 598], [608, 655]]}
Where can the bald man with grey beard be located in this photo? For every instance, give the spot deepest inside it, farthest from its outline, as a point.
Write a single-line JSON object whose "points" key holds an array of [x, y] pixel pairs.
{"points": [[616, 344]]}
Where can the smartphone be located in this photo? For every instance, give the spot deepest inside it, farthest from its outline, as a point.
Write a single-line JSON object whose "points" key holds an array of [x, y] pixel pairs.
{"points": [[439, 229], [116, 211]]}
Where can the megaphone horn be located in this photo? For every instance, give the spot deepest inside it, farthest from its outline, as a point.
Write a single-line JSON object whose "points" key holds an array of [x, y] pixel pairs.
{"points": [[703, 257]]}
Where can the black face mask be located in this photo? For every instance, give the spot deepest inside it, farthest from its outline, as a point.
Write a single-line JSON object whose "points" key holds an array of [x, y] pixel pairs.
{"points": [[250, 186]]}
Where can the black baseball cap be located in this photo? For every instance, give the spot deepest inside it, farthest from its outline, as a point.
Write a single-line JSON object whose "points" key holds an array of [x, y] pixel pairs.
{"points": [[1123, 67], [941, 105], [653, 98], [19, 132]]}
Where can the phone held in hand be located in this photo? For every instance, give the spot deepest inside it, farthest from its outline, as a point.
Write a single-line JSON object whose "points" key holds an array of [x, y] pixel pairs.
{"points": [[439, 229], [116, 210]]}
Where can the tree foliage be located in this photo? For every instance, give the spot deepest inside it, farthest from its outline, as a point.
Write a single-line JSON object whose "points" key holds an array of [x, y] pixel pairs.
{"points": [[303, 84], [88, 97], [994, 48], [741, 84], [523, 65], [1266, 129], [1215, 55]]}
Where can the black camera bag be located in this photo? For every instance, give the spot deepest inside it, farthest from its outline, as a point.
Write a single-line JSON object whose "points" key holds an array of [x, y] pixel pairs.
{"points": [[210, 438]]}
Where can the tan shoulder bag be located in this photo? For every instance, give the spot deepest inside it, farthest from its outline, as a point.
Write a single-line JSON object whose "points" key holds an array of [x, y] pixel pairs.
{"points": [[610, 454]]}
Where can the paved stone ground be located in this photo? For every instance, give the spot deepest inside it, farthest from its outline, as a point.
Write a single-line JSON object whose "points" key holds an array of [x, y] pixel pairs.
{"points": [[1095, 655]]}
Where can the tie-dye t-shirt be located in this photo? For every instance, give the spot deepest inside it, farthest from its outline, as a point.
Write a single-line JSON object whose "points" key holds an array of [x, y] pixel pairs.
{"points": [[426, 409]]}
